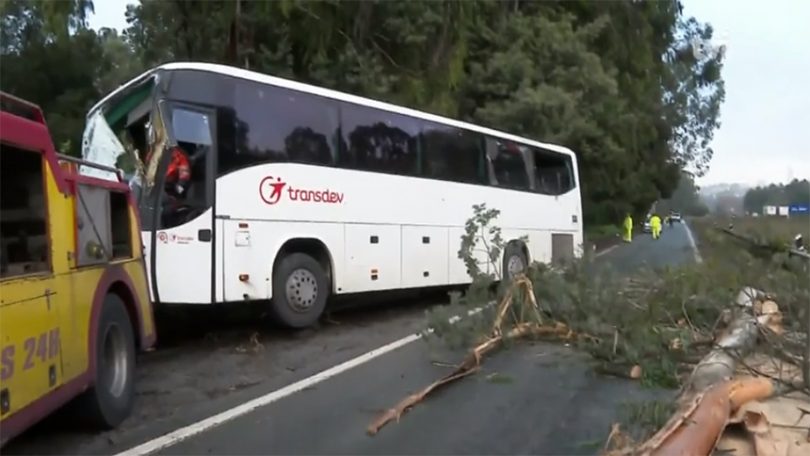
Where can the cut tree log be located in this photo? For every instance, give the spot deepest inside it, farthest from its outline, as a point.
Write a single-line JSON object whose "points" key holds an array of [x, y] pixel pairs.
{"points": [[710, 396]]}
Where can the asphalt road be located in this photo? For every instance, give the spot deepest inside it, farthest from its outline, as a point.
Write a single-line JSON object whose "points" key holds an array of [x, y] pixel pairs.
{"points": [[672, 249], [532, 399]]}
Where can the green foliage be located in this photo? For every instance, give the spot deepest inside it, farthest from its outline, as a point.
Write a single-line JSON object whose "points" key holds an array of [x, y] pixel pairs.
{"points": [[686, 199], [650, 318], [643, 418], [49, 57], [482, 244], [768, 268], [633, 319], [599, 233], [614, 81]]}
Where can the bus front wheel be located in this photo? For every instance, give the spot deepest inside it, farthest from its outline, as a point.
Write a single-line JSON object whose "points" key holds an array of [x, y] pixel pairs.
{"points": [[300, 291], [109, 401]]}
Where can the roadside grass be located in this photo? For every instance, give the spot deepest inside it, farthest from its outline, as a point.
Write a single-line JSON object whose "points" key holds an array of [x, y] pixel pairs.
{"points": [[768, 267], [601, 236], [777, 232], [602, 231], [779, 228], [641, 419]]}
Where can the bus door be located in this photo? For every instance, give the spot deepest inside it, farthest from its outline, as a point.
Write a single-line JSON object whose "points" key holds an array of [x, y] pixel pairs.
{"points": [[180, 247]]}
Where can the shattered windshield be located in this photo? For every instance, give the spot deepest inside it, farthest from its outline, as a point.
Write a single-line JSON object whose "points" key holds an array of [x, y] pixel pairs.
{"points": [[100, 145], [119, 134]]}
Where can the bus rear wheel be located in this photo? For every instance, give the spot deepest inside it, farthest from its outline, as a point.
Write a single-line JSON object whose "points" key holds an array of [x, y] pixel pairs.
{"points": [[300, 291], [109, 401], [514, 260]]}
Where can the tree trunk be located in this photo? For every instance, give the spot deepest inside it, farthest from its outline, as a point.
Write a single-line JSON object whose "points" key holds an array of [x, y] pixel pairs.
{"points": [[237, 36], [710, 396]]}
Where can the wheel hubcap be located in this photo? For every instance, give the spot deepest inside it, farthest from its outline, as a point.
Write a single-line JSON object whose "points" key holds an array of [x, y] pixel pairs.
{"points": [[515, 266], [116, 362], [302, 290]]}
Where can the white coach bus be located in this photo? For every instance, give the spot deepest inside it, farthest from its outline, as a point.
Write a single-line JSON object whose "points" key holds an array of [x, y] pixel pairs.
{"points": [[297, 192]]}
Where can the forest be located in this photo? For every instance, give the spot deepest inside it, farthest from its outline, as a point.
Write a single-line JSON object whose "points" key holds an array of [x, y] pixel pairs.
{"points": [[620, 82], [795, 192]]}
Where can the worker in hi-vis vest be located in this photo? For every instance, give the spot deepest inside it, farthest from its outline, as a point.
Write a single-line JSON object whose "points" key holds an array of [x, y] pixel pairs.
{"points": [[628, 228], [655, 225]]}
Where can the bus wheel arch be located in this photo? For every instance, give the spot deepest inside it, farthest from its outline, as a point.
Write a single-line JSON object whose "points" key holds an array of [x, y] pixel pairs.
{"points": [[302, 279], [313, 247], [515, 258]]}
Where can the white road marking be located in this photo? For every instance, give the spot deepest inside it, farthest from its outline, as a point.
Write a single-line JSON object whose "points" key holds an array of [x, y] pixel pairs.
{"points": [[607, 250], [695, 251], [191, 430]]}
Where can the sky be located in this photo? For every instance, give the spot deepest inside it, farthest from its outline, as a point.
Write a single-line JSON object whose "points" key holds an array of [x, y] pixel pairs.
{"points": [[765, 120]]}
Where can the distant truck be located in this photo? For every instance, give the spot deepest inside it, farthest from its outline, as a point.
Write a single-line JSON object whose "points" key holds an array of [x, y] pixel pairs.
{"points": [[74, 302]]}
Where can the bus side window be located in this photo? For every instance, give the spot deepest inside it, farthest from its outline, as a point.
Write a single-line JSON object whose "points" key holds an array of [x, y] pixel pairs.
{"points": [[451, 154], [553, 172], [187, 183], [508, 165], [274, 124], [24, 242], [377, 140], [192, 130]]}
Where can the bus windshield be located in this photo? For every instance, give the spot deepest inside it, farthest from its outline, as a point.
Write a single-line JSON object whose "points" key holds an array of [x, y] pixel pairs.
{"points": [[117, 135], [100, 145]]}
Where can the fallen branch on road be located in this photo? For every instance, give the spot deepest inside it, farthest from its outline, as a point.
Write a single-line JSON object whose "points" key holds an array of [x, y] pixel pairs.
{"points": [[472, 362]]}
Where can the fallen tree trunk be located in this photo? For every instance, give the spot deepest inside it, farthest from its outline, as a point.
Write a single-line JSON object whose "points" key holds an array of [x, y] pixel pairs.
{"points": [[711, 396], [792, 252], [738, 339], [755, 243]]}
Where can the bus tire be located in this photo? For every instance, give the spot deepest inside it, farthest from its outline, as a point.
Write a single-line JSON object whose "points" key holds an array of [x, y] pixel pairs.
{"points": [[514, 260], [300, 291], [109, 400]]}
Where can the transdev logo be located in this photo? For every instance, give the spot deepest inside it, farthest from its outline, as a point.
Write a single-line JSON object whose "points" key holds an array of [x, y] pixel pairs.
{"points": [[166, 238], [271, 190]]}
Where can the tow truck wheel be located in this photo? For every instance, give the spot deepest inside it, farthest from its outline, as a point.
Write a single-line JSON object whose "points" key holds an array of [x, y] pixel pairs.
{"points": [[300, 290], [109, 401]]}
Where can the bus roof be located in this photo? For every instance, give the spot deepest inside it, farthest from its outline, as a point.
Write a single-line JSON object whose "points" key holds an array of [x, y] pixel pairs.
{"points": [[315, 90]]}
